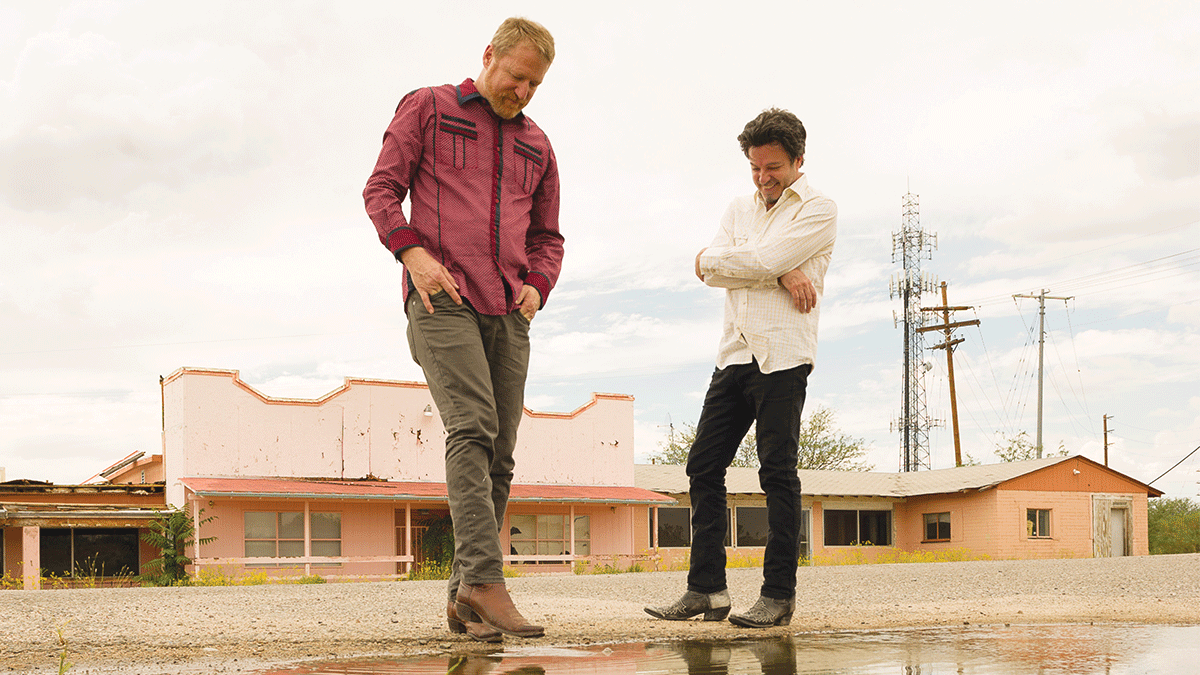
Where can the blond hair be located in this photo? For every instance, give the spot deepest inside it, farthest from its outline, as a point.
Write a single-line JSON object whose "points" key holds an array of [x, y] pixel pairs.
{"points": [[516, 30]]}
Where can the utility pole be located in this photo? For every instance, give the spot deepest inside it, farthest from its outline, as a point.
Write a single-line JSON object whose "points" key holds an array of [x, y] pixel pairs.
{"points": [[1041, 298], [1106, 430], [948, 345]]}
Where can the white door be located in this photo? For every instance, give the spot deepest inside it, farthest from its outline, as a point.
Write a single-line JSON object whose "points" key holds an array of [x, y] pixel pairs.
{"points": [[1116, 520]]}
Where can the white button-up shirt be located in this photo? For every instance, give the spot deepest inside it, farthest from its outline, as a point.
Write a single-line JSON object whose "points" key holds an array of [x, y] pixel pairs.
{"points": [[754, 247]]}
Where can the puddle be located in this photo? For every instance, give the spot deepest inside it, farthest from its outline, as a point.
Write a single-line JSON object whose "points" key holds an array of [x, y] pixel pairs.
{"points": [[1109, 649]]}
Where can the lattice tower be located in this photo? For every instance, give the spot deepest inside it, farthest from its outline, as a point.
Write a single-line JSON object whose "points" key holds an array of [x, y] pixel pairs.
{"points": [[909, 246]]}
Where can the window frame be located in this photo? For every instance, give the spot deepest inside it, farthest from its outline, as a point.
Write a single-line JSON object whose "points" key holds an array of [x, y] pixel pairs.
{"points": [[77, 542], [306, 539], [1034, 518], [569, 536], [937, 526], [859, 515]]}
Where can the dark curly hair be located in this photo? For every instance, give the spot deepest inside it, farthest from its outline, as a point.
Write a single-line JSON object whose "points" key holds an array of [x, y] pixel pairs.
{"points": [[774, 125]]}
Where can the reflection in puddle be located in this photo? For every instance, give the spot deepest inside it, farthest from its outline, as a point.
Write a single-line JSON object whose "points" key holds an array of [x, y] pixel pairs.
{"points": [[968, 650]]}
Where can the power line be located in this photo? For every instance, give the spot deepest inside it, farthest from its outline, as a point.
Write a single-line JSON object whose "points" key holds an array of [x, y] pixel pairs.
{"points": [[1176, 464], [1173, 263], [1145, 311], [994, 299]]}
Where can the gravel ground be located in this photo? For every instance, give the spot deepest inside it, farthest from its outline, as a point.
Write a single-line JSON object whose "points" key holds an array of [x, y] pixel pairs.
{"points": [[142, 631]]}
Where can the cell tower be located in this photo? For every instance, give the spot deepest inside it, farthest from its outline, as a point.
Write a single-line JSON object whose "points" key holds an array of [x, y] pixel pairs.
{"points": [[909, 246]]}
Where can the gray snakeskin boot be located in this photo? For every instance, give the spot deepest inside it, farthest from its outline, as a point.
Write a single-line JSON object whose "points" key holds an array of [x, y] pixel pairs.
{"points": [[714, 607], [765, 613]]}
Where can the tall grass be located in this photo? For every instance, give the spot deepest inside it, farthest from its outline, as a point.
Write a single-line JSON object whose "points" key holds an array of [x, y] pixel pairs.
{"points": [[63, 666], [429, 569]]}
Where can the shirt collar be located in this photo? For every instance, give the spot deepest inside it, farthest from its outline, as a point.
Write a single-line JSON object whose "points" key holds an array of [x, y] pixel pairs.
{"points": [[798, 187], [467, 91]]}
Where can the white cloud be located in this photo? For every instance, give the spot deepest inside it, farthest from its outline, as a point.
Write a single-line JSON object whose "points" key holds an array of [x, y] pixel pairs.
{"points": [[93, 120]]}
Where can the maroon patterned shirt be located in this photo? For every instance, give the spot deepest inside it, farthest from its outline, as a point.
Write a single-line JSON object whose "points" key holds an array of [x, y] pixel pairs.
{"points": [[484, 195]]}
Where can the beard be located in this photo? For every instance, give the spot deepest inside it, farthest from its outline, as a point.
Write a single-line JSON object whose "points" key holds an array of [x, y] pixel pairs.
{"points": [[507, 106]]}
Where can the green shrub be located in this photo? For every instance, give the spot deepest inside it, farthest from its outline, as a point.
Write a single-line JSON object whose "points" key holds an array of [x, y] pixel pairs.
{"points": [[171, 534], [1174, 526]]}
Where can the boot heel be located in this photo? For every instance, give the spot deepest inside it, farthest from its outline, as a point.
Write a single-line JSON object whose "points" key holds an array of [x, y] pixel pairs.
{"points": [[717, 614], [785, 620], [452, 620]]}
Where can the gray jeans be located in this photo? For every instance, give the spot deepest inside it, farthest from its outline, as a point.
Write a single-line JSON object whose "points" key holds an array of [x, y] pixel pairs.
{"points": [[475, 365]]}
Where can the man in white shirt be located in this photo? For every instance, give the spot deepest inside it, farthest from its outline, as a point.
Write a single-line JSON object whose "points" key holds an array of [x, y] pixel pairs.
{"points": [[770, 254]]}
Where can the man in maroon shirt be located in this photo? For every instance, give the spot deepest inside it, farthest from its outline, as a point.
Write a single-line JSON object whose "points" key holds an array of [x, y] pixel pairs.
{"points": [[481, 252]]}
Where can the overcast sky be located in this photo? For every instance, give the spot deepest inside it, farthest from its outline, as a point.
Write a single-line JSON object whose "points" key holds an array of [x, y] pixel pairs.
{"points": [[180, 185]]}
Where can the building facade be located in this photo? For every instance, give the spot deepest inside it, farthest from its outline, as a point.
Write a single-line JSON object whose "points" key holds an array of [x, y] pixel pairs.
{"points": [[1056, 507], [353, 483]]}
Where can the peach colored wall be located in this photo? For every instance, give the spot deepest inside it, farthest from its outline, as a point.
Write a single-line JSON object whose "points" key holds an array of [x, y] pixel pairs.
{"points": [[1070, 525], [1140, 536], [617, 531], [152, 466], [993, 523], [216, 425], [368, 529], [1075, 475], [971, 522], [31, 557]]}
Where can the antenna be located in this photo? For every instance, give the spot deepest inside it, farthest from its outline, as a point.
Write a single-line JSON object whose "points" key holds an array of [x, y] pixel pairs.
{"points": [[909, 246]]}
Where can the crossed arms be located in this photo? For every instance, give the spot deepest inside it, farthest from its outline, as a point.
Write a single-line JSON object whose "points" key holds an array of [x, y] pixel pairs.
{"points": [[773, 257]]}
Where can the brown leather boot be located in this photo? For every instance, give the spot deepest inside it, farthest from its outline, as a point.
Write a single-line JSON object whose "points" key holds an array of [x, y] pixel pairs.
{"points": [[470, 625], [495, 608]]}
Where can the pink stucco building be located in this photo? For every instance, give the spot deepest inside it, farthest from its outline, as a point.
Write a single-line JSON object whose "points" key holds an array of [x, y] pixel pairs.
{"points": [[347, 484]]}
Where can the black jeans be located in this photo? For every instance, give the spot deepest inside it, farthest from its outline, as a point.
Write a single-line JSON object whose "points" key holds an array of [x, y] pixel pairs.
{"points": [[737, 396]]}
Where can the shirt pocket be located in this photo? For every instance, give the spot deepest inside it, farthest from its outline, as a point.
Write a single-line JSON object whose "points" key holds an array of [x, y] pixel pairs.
{"points": [[457, 142], [529, 164]]}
